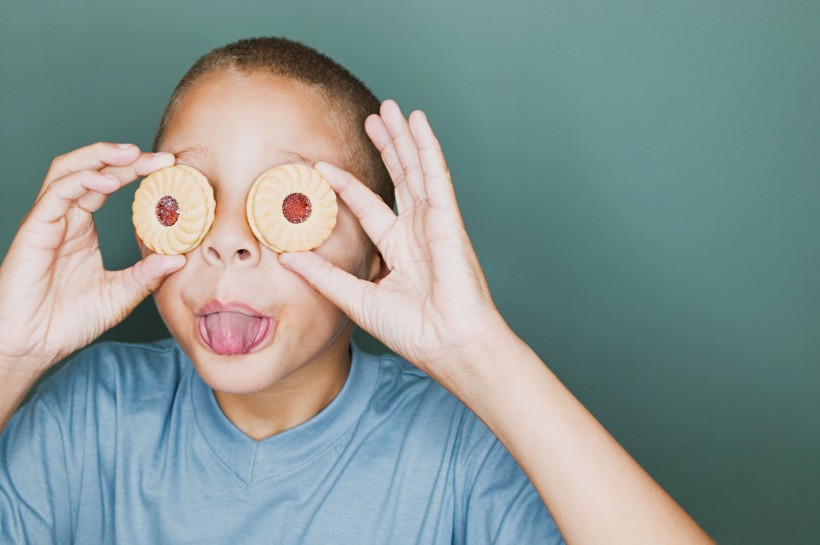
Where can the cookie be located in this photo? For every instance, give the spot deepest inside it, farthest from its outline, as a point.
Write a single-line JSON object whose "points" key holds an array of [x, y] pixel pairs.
{"points": [[291, 208], [173, 209]]}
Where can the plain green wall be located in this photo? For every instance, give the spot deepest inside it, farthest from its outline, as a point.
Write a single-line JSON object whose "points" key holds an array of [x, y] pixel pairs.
{"points": [[640, 180]]}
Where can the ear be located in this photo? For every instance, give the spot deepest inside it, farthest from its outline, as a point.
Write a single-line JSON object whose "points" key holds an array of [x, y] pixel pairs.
{"points": [[377, 268]]}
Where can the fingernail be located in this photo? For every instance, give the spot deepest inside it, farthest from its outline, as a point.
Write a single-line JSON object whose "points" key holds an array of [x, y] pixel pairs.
{"points": [[161, 154], [125, 146], [112, 177]]}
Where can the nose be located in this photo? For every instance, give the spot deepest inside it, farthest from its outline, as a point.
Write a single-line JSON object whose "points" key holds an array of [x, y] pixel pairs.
{"points": [[230, 241]]}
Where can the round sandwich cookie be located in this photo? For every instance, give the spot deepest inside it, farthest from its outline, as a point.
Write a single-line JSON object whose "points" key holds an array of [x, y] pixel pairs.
{"points": [[173, 209], [291, 208]]}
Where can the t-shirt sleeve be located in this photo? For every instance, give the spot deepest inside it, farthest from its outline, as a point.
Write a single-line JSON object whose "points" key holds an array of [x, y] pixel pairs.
{"points": [[34, 484], [500, 504]]}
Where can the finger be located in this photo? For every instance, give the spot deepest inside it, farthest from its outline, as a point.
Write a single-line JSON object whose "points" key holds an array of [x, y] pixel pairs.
{"points": [[92, 201], [375, 129], [351, 294], [64, 192], [130, 286], [375, 216], [437, 181], [406, 149], [145, 164], [93, 157]]}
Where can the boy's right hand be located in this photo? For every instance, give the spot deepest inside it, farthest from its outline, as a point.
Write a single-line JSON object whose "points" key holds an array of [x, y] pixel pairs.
{"points": [[55, 294]]}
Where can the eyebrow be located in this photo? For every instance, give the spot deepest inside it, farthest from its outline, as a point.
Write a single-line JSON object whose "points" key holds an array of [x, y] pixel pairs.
{"points": [[282, 155], [193, 150], [292, 156]]}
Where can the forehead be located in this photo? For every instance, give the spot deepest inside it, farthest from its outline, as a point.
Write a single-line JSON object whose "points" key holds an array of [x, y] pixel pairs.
{"points": [[252, 120]]}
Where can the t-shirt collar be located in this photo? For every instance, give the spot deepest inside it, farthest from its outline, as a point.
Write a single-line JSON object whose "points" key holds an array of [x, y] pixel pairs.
{"points": [[251, 460]]}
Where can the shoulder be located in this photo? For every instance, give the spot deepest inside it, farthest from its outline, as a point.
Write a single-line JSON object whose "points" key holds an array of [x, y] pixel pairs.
{"points": [[114, 370], [106, 395], [417, 404], [432, 426], [419, 428], [401, 385]]}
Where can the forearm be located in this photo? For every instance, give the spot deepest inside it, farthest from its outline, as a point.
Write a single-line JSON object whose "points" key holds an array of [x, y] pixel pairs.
{"points": [[595, 491]]}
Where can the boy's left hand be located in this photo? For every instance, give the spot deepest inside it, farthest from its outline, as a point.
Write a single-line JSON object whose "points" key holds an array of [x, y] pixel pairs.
{"points": [[434, 304]]}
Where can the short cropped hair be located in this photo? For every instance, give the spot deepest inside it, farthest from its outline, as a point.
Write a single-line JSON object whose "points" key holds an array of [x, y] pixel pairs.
{"points": [[344, 99]]}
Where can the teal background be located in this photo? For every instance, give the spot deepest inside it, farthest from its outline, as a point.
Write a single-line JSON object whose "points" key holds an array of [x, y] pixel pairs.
{"points": [[639, 178]]}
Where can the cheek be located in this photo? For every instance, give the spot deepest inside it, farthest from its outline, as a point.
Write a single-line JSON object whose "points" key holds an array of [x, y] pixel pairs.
{"points": [[166, 312], [308, 309], [307, 321], [347, 245], [168, 298]]}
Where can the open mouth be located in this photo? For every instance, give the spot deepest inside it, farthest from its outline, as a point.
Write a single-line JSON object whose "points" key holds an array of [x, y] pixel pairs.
{"points": [[232, 329]]}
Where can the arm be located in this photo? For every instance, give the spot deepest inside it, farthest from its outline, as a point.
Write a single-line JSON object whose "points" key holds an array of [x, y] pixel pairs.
{"points": [[55, 295], [595, 491], [450, 328]]}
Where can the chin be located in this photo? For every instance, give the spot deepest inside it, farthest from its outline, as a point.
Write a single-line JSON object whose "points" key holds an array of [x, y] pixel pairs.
{"points": [[238, 378], [239, 374]]}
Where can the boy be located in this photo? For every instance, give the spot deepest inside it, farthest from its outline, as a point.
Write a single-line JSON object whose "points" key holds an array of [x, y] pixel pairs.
{"points": [[260, 421]]}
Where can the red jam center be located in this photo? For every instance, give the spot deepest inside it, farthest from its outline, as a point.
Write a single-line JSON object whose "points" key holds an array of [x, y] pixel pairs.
{"points": [[167, 211], [296, 207]]}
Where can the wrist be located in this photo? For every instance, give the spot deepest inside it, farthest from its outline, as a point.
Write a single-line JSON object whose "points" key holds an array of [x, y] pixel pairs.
{"points": [[471, 369], [23, 368], [18, 374]]}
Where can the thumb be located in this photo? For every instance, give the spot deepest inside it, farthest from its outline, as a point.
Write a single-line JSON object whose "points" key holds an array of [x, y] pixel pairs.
{"points": [[349, 293], [130, 286]]}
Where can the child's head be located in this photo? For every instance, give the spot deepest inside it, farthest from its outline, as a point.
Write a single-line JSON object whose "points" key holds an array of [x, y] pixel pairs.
{"points": [[343, 101], [239, 111]]}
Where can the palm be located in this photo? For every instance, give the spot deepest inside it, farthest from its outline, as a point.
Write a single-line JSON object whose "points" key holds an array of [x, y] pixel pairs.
{"points": [[76, 306]]}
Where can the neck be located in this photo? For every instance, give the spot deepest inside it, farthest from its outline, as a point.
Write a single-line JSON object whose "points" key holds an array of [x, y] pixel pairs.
{"points": [[292, 401]]}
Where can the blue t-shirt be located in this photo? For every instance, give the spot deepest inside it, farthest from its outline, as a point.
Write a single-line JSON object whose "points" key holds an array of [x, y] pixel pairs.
{"points": [[126, 444]]}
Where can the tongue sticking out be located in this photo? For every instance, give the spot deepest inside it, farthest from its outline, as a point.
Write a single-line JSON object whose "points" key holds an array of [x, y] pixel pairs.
{"points": [[229, 333]]}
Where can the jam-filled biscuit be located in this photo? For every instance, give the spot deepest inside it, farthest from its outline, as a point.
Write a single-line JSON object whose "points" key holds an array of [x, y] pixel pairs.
{"points": [[173, 209], [291, 208]]}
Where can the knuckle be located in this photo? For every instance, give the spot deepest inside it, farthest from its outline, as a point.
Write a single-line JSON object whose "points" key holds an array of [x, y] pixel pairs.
{"points": [[57, 161], [145, 286], [326, 269], [57, 189], [395, 170], [367, 208], [99, 148], [52, 186], [413, 169], [151, 286]]}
